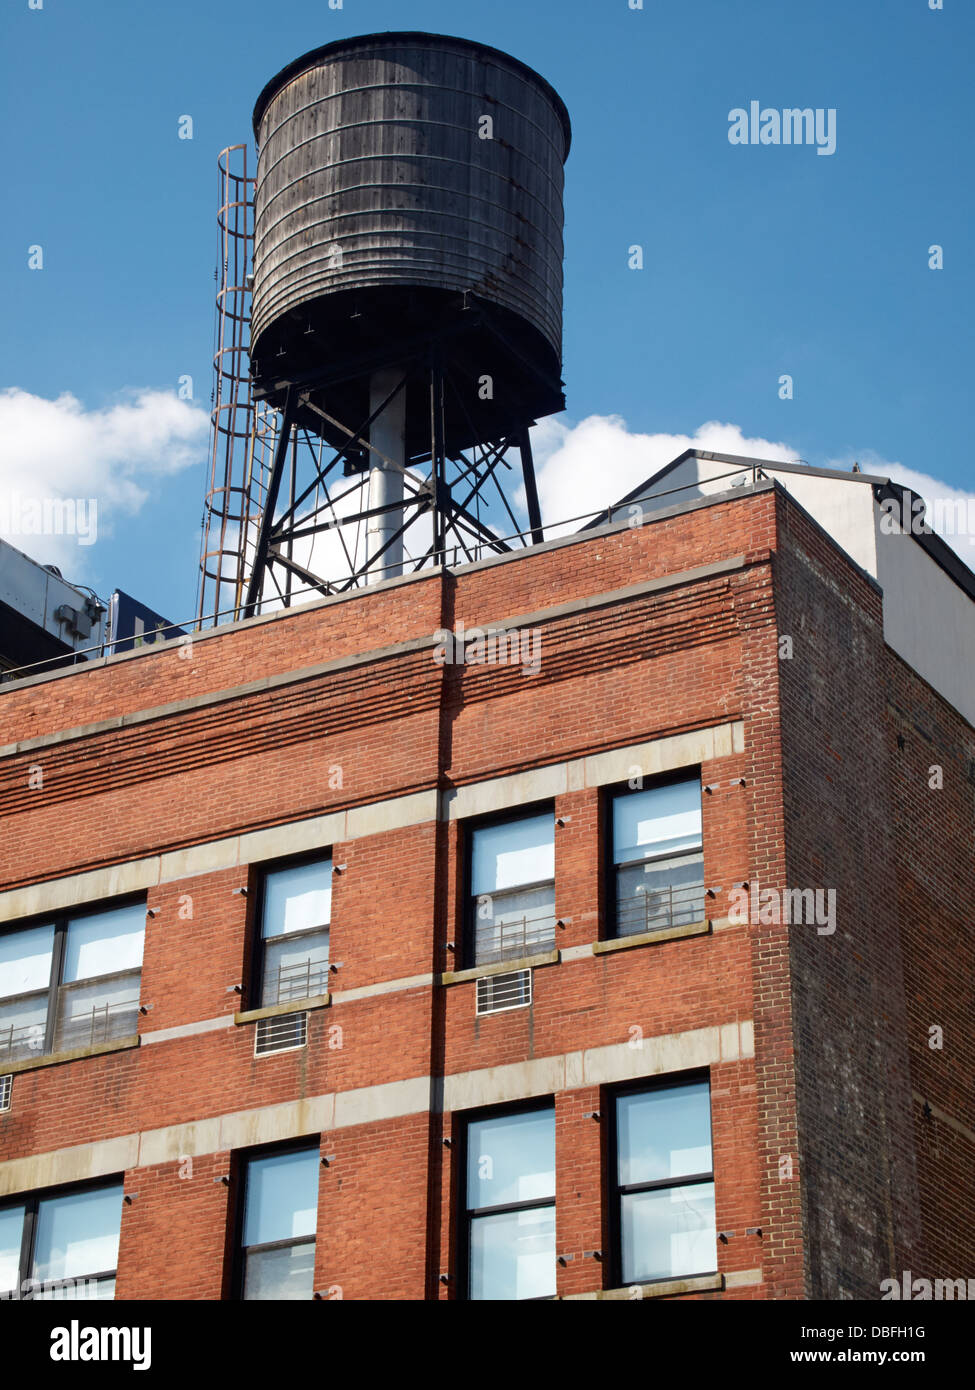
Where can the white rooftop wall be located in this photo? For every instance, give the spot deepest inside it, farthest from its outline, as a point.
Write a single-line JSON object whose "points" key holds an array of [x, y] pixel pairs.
{"points": [[928, 620]]}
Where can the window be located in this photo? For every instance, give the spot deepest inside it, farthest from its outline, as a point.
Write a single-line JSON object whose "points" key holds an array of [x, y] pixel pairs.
{"points": [[296, 908], [70, 982], [280, 1213], [509, 1206], [663, 1204], [658, 866], [61, 1245], [512, 889]]}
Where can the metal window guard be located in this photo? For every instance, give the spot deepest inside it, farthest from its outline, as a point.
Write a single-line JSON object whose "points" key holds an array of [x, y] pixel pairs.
{"points": [[302, 980], [658, 909], [19, 1043], [523, 936], [100, 1023]]}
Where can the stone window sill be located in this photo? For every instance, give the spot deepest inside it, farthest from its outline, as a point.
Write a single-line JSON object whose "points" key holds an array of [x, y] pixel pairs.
{"points": [[293, 1006], [661, 1288], [503, 967], [55, 1059], [648, 938]]}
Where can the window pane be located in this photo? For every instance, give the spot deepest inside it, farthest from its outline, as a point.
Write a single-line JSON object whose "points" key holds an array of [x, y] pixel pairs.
{"points": [[104, 943], [669, 1233], [513, 853], [282, 1197], [96, 1011], [295, 969], [518, 923], [11, 1230], [513, 1254], [23, 1023], [511, 1158], [280, 1274], [664, 1133], [661, 820], [656, 894], [78, 1234], [298, 898], [25, 960]]}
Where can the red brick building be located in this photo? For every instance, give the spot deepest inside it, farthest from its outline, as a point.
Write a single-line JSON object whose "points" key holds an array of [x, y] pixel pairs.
{"points": [[445, 988]]}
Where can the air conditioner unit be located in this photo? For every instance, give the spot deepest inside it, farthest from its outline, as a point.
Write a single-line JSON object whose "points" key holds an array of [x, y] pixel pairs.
{"points": [[280, 1033], [498, 993]]}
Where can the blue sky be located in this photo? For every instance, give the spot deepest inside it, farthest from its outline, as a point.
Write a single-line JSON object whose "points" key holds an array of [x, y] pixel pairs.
{"points": [[758, 261]]}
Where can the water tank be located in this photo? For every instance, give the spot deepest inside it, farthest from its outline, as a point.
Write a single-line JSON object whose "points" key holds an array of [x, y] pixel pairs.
{"points": [[409, 192]]}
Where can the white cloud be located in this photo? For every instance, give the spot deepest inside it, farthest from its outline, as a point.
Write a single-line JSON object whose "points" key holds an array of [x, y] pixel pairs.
{"points": [[585, 467], [52, 451]]}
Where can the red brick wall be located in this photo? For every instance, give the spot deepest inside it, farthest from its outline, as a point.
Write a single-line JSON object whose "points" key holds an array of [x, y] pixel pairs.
{"points": [[175, 1222], [695, 656], [372, 1211]]}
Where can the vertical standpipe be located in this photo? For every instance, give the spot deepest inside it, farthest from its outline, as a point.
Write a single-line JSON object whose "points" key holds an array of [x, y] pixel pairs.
{"points": [[387, 435]]}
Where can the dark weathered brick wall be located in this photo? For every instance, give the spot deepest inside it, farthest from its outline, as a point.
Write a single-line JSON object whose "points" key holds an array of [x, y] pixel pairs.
{"points": [[855, 1142], [931, 762]]}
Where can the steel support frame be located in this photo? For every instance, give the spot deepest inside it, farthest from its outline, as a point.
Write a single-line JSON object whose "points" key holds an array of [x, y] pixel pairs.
{"points": [[455, 526]]}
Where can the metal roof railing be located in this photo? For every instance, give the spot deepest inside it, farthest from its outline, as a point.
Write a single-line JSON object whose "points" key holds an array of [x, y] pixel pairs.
{"points": [[434, 559]]}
